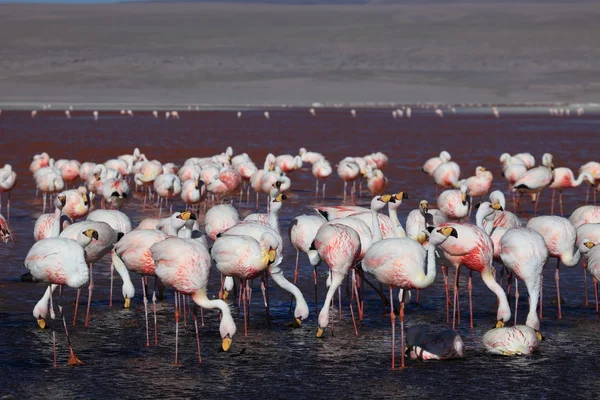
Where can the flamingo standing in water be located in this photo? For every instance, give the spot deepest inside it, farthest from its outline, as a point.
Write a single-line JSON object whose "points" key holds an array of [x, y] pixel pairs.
{"points": [[348, 170], [591, 253], [167, 186], [400, 263], [536, 179], [560, 235], [434, 162], [446, 175], [592, 167], [523, 251], [502, 217], [184, 265], [321, 169], [61, 261], [479, 185], [455, 204], [474, 249], [418, 220], [339, 246], [564, 178], [8, 178]]}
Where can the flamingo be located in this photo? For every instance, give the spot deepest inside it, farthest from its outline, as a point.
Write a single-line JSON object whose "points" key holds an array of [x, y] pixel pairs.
{"points": [[376, 181], [446, 175], [479, 185], [339, 246], [434, 162], [353, 113], [246, 168], [219, 219], [418, 221], [77, 203], [585, 215], [5, 234], [115, 191], [184, 265], [69, 170], [309, 156], [511, 341], [39, 161], [524, 253], [592, 167], [348, 170], [536, 179], [474, 249], [564, 178], [48, 181], [95, 114], [193, 192], [455, 204], [590, 251], [302, 231], [86, 170], [399, 263], [8, 178], [424, 345], [288, 163], [50, 225], [244, 258], [118, 164], [560, 235], [93, 253], [321, 169], [502, 217], [61, 261], [167, 186]]}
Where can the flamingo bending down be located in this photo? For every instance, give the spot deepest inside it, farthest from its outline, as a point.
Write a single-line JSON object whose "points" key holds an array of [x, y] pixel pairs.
{"points": [[560, 235], [424, 345], [400, 263], [585, 215], [592, 167], [524, 253], [184, 264], [474, 249], [61, 261], [591, 252]]}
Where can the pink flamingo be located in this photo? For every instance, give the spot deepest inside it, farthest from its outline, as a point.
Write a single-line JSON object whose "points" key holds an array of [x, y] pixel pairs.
{"points": [[564, 178], [5, 234], [474, 249], [455, 204], [309, 156], [288, 163], [376, 181], [502, 217], [418, 220], [585, 215], [8, 178], [446, 175], [348, 170], [560, 235], [434, 162], [220, 218], [400, 263], [61, 261], [510, 341], [69, 170], [167, 186], [321, 169], [39, 161], [593, 168], [184, 264], [591, 253], [479, 185], [536, 179]]}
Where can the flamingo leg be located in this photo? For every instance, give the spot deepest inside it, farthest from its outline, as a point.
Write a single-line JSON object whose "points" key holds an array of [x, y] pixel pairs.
{"points": [[456, 275], [323, 191], [176, 325], [155, 324], [560, 203], [266, 297], [316, 294], [596, 292], [447, 286], [317, 189], [470, 286], [403, 297], [195, 312], [112, 277], [417, 299], [76, 307], [146, 312], [340, 303], [557, 279], [552, 204], [537, 200], [44, 206], [296, 270], [516, 298], [243, 289], [90, 289], [184, 310], [345, 188], [541, 291], [587, 194], [583, 263], [53, 317], [8, 206], [73, 360], [393, 322]]}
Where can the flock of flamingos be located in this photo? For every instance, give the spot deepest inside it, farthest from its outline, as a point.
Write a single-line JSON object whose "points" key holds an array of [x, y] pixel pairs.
{"points": [[357, 243]]}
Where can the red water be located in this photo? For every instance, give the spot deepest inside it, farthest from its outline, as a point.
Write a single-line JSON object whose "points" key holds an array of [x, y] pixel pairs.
{"points": [[279, 361]]}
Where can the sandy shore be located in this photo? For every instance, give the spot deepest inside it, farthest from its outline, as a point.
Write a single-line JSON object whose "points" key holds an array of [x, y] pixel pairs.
{"points": [[265, 54]]}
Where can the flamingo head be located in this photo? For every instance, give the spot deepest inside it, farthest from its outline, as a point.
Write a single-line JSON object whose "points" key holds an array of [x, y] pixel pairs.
{"points": [[424, 206]]}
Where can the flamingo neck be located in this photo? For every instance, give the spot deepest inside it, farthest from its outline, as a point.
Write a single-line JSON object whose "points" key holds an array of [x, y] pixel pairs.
{"points": [[377, 234], [128, 288], [571, 259], [227, 326], [56, 228], [580, 179], [301, 305], [427, 280], [503, 307], [274, 218]]}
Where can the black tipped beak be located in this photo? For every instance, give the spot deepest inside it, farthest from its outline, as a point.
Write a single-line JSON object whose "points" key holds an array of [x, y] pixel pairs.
{"points": [[454, 233], [193, 216], [124, 195], [95, 235], [114, 194], [476, 206]]}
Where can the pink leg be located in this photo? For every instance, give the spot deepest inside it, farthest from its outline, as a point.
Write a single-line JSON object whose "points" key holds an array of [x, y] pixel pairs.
{"points": [[90, 289], [556, 278], [340, 303], [516, 298], [596, 293], [560, 203], [447, 285], [110, 296], [316, 294], [53, 317], [541, 296], [402, 296], [583, 263], [552, 204], [418, 292], [454, 309], [345, 188], [176, 325], [317, 189], [73, 360], [155, 324], [243, 289], [197, 336], [393, 321], [470, 286], [146, 312], [323, 191], [296, 270], [76, 307]]}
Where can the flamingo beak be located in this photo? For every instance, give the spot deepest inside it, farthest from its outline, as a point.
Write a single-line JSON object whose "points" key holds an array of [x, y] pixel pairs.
{"points": [[499, 324], [225, 294], [539, 336], [41, 323], [127, 303], [226, 345], [297, 323], [319, 332]]}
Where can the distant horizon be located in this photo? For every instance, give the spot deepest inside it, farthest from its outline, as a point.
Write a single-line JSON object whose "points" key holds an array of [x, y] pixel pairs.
{"points": [[297, 2]]}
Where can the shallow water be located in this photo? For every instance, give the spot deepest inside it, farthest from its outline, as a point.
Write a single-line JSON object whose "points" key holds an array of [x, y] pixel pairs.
{"points": [[279, 361]]}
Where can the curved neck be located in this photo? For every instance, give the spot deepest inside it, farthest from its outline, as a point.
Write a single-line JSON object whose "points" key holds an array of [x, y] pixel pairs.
{"points": [[56, 228], [282, 282], [580, 179], [123, 273], [490, 282], [202, 300], [479, 222], [427, 280], [377, 235], [571, 259], [274, 218]]}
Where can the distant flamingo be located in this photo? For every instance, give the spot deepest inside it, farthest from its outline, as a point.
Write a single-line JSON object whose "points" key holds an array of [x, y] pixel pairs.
{"points": [[8, 178], [446, 175], [434, 162], [564, 178], [479, 185], [321, 169], [348, 170], [536, 179]]}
